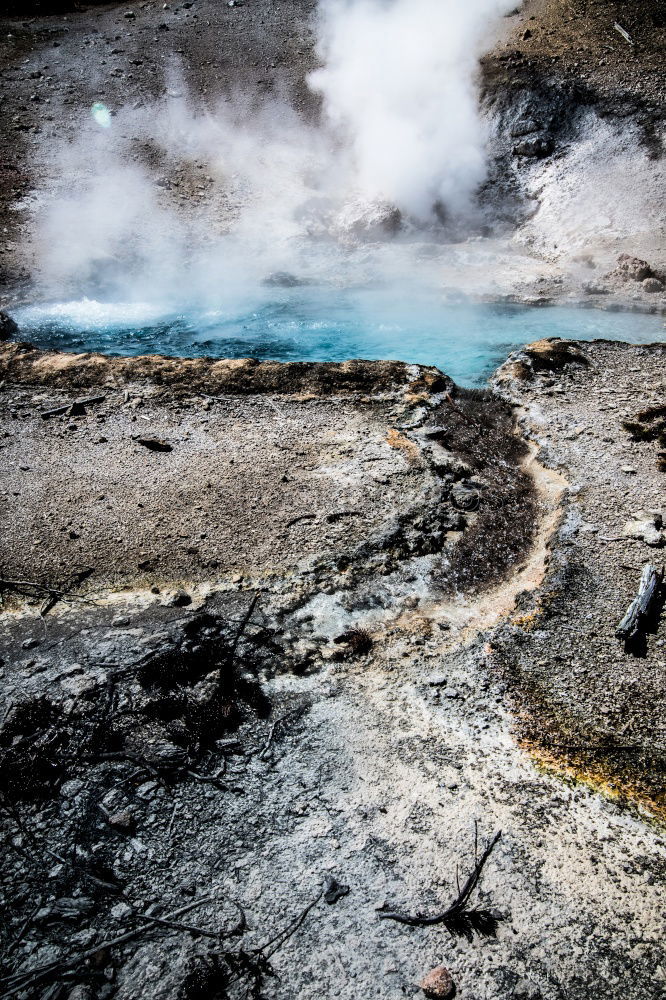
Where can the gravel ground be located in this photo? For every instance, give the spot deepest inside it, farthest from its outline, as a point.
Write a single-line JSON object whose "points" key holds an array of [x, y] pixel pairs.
{"points": [[370, 717], [592, 690]]}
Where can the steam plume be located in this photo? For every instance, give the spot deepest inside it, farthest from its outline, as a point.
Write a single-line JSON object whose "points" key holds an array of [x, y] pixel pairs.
{"points": [[400, 129], [398, 82]]}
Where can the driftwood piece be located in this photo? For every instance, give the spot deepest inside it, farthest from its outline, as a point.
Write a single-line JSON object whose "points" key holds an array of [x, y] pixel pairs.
{"points": [[642, 605]]}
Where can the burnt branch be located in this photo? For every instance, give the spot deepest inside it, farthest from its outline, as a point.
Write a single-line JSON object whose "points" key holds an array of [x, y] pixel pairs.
{"points": [[459, 918]]}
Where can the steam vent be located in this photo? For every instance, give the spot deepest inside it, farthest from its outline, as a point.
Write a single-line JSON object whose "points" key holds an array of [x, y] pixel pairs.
{"points": [[332, 454]]}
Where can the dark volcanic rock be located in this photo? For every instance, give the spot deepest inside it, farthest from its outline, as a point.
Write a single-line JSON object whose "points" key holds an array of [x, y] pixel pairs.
{"points": [[8, 326]]}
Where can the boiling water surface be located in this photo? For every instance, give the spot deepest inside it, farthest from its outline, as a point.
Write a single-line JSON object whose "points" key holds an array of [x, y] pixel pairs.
{"points": [[310, 323]]}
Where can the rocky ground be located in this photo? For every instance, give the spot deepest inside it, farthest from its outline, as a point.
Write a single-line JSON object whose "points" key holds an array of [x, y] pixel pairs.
{"points": [[239, 728], [578, 143], [597, 693]]}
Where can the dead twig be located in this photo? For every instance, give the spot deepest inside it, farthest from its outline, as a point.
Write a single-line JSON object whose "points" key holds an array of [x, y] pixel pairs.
{"points": [[241, 629], [211, 779], [271, 733], [20, 981], [24, 926], [194, 929], [269, 948], [461, 413], [52, 594], [75, 409], [459, 918]]}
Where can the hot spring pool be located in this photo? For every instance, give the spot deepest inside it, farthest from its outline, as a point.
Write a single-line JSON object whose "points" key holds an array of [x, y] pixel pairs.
{"points": [[314, 324]]}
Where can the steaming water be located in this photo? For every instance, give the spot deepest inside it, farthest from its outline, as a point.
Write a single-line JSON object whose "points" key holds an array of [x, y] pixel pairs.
{"points": [[312, 323]]}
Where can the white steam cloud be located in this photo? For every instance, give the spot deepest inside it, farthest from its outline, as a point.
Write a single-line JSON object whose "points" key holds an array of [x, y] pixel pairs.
{"points": [[181, 203], [398, 80]]}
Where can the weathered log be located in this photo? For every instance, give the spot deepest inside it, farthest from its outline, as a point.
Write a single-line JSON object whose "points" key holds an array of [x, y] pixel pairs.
{"points": [[74, 409], [642, 604]]}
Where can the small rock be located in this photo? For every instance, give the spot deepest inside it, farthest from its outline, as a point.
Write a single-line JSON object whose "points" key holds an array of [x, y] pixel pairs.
{"points": [[451, 693], [80, 992], [166, 755], [652, 285], [121, 911], [154, 444], [178, 599], [8, 327], [645, 528], [632, 268], [123, 821], [628, 470], [146, 790], [334, 891], [538, 147], [70, 789], [437, 680], [594, 288], [438, 984], [526, 126], [30, 643]]}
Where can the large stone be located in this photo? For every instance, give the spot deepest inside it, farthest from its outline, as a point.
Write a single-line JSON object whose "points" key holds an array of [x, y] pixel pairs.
{"points": [[645, 526], [538, 147]]}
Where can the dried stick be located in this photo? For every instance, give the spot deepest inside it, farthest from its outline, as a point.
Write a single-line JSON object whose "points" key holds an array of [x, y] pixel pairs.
{"points": [[271, 733], [193, 929], [22, 980], [455, 911], [283, 936], [241, 628]]}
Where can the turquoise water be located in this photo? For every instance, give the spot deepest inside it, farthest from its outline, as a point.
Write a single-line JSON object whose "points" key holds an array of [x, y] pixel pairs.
{"points": [[313, 323]]}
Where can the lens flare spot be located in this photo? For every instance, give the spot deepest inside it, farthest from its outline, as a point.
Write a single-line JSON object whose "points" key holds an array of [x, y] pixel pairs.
{"points": [[101, 114]]}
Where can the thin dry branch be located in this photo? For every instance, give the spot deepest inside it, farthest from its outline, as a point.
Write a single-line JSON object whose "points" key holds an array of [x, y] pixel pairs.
{"points": [[20, 981], [459, 918]]}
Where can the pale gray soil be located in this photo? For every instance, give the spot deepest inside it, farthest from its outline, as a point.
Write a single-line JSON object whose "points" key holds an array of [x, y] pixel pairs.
{"points": [[145, 752]]}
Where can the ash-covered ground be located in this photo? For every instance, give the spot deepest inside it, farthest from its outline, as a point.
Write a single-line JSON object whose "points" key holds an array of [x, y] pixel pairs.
{"points": [[227, 753]]}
